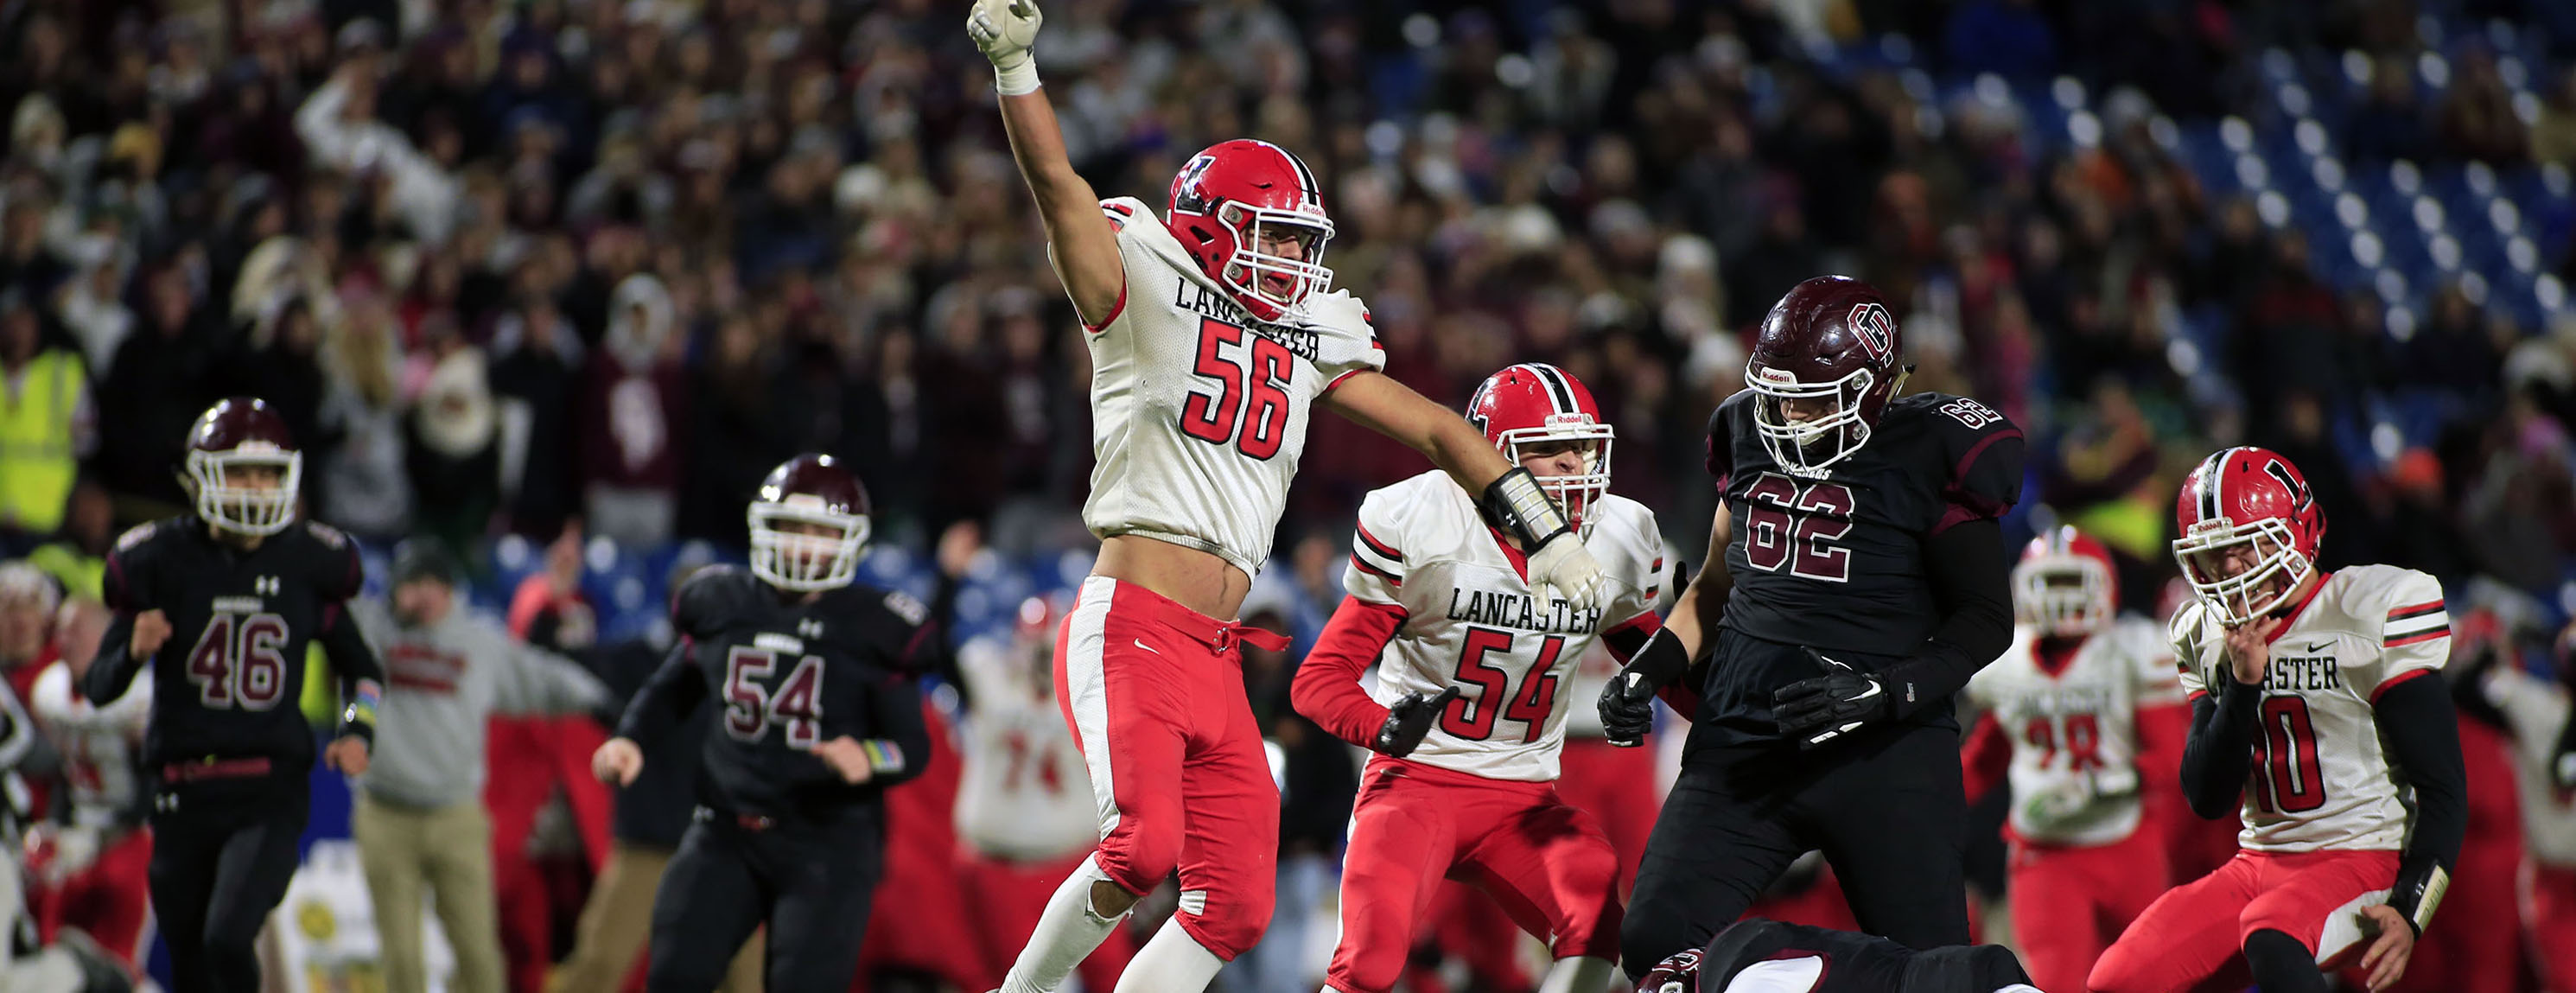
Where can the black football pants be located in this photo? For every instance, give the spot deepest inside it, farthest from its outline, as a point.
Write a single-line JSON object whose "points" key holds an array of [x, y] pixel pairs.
{"points": [[222, 855], [1885, 805], [810, 884]]}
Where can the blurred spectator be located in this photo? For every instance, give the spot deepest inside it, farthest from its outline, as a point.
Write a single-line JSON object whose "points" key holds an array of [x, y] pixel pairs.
{"points": [[363, 485], [160, 379], [77, 557], [2478, 119], [2389, 125], [632, 404], [45, 426], [535, 376], [451, 445]]}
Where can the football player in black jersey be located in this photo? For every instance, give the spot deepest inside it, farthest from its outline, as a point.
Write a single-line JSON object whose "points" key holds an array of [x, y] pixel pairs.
{"points": [[1759, 956], [1856, 578], [221, 605], [821, 715]]}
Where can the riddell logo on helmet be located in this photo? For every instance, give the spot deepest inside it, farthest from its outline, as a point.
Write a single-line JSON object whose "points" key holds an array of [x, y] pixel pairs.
{"points": [[1770, 375], [1876, 331]]}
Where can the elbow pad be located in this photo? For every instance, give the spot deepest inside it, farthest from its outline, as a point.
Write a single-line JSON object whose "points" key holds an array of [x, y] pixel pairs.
{"points": [[2418, 893]]}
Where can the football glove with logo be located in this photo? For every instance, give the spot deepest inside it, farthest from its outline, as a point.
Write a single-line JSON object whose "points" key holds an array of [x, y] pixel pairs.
{"points": [[1005, 30], [1408, 720], [1627, 702], [1817, 711]]}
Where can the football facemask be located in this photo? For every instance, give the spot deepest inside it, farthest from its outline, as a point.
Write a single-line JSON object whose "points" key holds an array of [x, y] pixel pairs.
{"points": [[226, 496], [2276, 568], [821, 554], [1809, 447]]}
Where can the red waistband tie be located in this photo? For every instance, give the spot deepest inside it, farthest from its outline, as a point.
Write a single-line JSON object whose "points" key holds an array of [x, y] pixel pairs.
{"points": [[1232, 635]]}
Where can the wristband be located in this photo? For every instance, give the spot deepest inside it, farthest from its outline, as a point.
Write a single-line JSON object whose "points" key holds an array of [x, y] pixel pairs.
{"points": [[1661, 660], [359, 717], [884, 756], [2419, 890], [1515, 502], [1017, 78]]}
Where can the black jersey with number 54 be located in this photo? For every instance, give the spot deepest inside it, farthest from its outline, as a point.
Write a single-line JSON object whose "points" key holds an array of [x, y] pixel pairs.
{"points": [[790, 674], [228, 681], [1837, 562]]}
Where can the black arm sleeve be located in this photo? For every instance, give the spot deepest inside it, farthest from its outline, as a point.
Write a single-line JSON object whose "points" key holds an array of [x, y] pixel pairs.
{"points": [[2220, 752], [352, 660], [668, 698], [2423, 737], [1971, 585], [895, 717], [115, 666]]}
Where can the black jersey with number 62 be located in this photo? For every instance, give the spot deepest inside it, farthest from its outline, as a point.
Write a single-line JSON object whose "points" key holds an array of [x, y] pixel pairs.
{"points": [[1837, 562], [789, 675], [228, 681]]}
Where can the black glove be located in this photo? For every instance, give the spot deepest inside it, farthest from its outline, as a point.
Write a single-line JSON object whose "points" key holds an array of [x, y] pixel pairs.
{"points": [[1408, 720], [1677, 974], [1819, 710], [1628, 703]]}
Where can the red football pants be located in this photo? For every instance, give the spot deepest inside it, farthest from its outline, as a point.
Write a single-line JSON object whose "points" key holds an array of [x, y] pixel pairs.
{"points": [[1617, 787], [1154, 692], [1546, 863], [2193, 930], [2551, 918], [1009, 899], [110, 898], [2069, 904]]}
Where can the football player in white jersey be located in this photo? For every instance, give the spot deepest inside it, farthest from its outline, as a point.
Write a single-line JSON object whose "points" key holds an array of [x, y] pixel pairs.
{"points": [[2312, 711], [1024, 801], [2086, 706], [90, 869], [1466, 719], [1212, 339]]}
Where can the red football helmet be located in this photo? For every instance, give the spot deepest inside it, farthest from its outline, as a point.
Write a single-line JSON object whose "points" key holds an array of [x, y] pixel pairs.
{"points": [[2240, 501], [1236, 197], [1829, 337], [237, 434], [808, 525], [2066, 584], [1537, 404]]}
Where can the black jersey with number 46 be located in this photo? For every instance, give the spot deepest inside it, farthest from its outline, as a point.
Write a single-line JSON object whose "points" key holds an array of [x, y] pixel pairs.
{"points": [[1837, 562], [228, 682], [790, 675]]}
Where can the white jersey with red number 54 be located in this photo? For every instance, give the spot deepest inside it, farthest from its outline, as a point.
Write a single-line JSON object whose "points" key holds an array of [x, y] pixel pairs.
{"points": [[1198, 411], [2077, 716], [1472, 621], [2320, 778]]}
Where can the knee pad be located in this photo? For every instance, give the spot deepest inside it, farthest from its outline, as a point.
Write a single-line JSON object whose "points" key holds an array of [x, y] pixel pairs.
{"points": [[1143, 848], [1227, 923]]}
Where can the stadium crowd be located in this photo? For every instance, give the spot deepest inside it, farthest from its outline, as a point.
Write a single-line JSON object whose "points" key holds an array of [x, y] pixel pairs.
{"points": [[568, 269]]}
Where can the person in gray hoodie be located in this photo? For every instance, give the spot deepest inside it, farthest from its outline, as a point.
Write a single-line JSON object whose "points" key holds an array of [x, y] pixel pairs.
{"points": [[420, 822]]}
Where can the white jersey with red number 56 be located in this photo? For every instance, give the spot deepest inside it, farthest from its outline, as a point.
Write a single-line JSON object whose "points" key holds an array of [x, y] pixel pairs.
{"points": [[1472, 621], [2077, 716], [2320, 778], [1198, 411]]}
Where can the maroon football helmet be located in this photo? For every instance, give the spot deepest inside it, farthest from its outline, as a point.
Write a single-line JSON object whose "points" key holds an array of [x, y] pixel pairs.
{"points": [[1829, 338], [2066, 584], [231, 441], [1534, 403], [808, 525], [2242, 499], [1233, 197]]}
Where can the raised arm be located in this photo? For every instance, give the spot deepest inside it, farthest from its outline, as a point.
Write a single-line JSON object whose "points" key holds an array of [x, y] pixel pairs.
{"points": [[1509, 495], [1080, 240]]}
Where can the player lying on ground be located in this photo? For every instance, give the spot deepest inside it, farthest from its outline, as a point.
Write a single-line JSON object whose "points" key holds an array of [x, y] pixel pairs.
{"points": [[821, 716], [1758, 956], [1466, 720], [2087, 718], [1211, 338], [1860, 576], [220, 606], [2316, 700]]}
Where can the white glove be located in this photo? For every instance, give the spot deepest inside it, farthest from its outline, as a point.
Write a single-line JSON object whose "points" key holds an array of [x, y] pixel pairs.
{"points": [[1566, 567], [1004, 30]]}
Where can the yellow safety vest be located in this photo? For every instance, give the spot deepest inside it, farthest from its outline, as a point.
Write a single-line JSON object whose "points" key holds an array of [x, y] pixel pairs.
{"points": [[37, 465]]}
